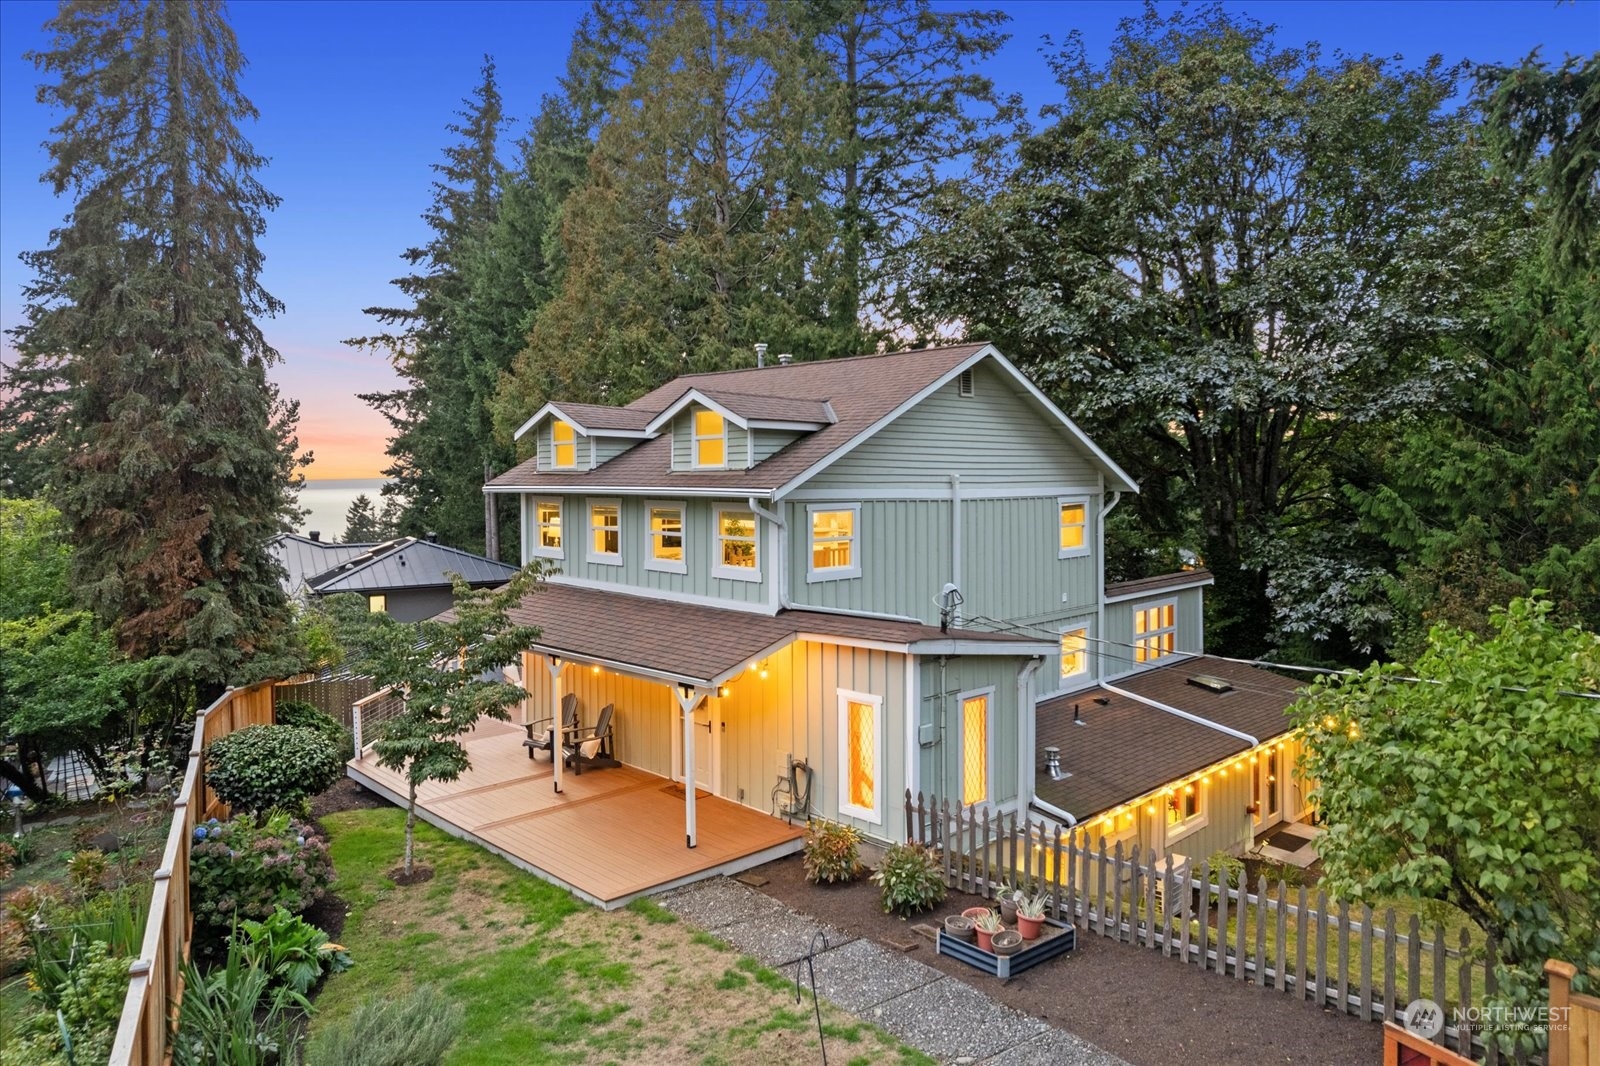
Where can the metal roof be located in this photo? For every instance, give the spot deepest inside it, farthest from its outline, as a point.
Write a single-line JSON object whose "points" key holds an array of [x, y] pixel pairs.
{"points": [[406, 563]]}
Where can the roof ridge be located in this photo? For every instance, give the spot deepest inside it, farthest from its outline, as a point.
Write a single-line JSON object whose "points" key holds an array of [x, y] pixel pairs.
{"points": [[812, 362]]}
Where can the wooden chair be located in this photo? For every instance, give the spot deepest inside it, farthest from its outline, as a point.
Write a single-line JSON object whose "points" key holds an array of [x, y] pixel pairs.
{"points": [[592, 747], [541, 734]]}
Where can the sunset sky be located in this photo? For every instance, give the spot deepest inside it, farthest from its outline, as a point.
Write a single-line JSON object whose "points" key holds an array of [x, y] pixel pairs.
{"points": [[354, 99]]}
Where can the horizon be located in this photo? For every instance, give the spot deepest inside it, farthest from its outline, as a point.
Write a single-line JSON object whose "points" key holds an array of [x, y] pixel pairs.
{"points": [[351, 129]]}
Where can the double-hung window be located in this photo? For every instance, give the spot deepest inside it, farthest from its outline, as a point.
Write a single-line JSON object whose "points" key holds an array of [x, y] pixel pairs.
{"points": [[1074, 654], [833, 542], [1073, 528], [547, 529], [665, 550], [563, 445], [1154, 631], [605, 532], [861, 755], [710, 442], [737, 556]]}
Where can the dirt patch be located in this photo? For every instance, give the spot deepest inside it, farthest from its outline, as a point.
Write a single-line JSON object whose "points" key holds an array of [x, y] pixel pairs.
{"points": [[418, 875], [345, 795], [1129, 1000]]}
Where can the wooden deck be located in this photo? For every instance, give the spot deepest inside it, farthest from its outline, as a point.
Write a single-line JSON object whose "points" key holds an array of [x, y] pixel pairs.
{"points": [[610, 836]]}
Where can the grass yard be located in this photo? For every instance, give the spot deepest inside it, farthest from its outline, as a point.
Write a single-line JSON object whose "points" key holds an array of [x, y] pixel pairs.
{"points": [[546, 979]]}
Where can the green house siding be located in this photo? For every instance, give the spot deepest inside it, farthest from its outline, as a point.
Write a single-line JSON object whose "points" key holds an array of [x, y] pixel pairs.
{"points": [[993, 437], [939, 741], [769, 442], [683, 441], [903, 549], [1117, 654], [1009, 559], [608, 448]]}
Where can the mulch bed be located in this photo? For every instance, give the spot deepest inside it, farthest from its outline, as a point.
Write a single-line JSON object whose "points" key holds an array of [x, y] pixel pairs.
{"points": [[329, 912], [1130, 1001]]}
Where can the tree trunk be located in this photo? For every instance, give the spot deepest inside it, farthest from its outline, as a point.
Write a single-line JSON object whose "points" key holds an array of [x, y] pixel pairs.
{"points": [[411, 821], [19, 776]]}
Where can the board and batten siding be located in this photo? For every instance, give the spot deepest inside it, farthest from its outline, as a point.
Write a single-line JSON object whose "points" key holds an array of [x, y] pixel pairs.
{"points": [[642, 718], [939, 723], [699, 547], [903, 547], [1117, 650], [993, 437], [736, 456]]}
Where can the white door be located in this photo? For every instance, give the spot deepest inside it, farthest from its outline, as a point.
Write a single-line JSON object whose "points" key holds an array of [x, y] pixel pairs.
{"points": [[704, 747], [1267, 791]]}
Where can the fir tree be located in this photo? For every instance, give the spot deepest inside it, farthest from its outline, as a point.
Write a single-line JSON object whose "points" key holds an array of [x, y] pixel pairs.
{"points": [[361, 522], [173, 455]]}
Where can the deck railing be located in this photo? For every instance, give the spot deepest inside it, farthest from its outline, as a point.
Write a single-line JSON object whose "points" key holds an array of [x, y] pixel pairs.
{"points": [[368, 714], [332, 694], [1279, 937], [155, 982]]}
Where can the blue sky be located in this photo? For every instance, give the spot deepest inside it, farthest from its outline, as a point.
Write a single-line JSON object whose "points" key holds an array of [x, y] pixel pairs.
{"points": [[354, 98]]}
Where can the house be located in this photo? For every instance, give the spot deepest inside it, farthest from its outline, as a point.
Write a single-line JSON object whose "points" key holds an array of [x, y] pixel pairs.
{"points": [[408, 577], [811, 587]]}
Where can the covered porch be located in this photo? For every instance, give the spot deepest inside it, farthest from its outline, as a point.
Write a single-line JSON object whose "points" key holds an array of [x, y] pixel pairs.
{"points": [[609, 836]]}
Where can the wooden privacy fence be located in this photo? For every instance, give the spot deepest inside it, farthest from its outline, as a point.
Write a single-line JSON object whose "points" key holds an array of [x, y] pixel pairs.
{"points": [[332, 695], [155, 983], [1574, 1019], [1293, 940]]}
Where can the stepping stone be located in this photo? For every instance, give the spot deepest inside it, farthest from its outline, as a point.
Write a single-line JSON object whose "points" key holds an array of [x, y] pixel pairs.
{"points": [[860, 975], [779, 939], [949, 1019], [719, 902]]}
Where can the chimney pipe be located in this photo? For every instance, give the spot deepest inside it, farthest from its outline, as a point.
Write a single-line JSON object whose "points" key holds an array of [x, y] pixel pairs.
{"points": [[1052, 762], [1075, 719], [761, 354], [785, 358], [314, 535], [432, 537]]}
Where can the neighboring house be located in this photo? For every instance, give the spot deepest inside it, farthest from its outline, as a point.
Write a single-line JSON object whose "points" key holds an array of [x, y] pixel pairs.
{"points": [[877, 566], [408, 577]]}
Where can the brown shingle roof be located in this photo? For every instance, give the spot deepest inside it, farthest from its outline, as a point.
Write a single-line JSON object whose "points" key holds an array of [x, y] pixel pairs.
{"points": [[601, 416], [692, 642], [770, 408], [1126, 748], [1159, 583], [861, 391]]}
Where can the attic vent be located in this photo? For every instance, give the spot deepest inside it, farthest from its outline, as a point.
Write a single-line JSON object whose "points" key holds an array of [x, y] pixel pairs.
{"points": [[1210, 683], [964, 383]]}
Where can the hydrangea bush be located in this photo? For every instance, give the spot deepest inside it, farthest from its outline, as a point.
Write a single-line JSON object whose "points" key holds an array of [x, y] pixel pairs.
{"points": [[241, 870]]}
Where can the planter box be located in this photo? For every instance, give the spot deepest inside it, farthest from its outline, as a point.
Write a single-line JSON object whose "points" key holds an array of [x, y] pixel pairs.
{"points": [[1056, 938]]}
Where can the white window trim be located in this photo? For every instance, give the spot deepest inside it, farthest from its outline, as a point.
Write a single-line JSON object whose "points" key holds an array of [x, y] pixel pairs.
{"points": [[1176, 831], [665, 566], [1088, 543], [537, 548], [833, 573], [590, 555], [575, 435], [733, 573], [988, 744], [1065, 681], [1154, 605], [695, 438], [875, 814]]}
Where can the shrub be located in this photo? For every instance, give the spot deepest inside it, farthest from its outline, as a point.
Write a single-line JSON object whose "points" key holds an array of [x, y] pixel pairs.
{"points": [[87, 871], [59, 932], [90, 1001], [910, 878], [265, 766], [290, 949], [833, 852], [10, 859], [240, 870], [232, 1015], [309, 716], [415, 1029]]}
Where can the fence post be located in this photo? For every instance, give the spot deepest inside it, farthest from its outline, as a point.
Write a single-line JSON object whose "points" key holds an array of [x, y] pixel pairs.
{"points": [[1116, 893], [1344, 958], [1414, 960], [1100, 892], [1366, 962], [1261, 931], [1560, 975], [1300, 945], [1150, 915], [1205, 921], [1388, 965], [1242, 924], [1438, 963], [1322, 948], [1464, 978], [1056, 875], [355, 726]]}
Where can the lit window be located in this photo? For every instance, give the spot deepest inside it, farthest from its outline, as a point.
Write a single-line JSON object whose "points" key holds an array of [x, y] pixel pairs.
{"points": [[833, 544], [605, 531], [860, 755], [736, 546], [1074, 653], [377, 603], [1184, 806], [547, 517], [666, 539], [710, 439], [1073, 529], [564, 452], [1153, 631], [974, 749]]}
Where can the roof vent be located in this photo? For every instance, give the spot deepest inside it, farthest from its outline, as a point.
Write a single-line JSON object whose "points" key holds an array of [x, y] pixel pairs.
{"points": [[1052, 764], [785, 358], [315, 535], [964, 383], [761, 354], [1211, 683]]}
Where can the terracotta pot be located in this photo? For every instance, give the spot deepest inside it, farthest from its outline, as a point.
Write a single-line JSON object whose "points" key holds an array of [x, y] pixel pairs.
{"points": [[985, 939], [975, 912], [1008, 942], [1029, 927], [1008, 910], [958, 926]]}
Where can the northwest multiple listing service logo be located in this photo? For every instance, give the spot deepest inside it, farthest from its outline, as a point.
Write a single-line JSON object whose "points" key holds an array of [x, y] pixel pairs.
{"points": [[1425, 1018]]}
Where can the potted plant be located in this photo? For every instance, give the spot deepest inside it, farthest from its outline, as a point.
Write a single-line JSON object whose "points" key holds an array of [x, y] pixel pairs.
{"points": [[1006, 942], [987, 925], [1030, 916], [1007, 898], [958, 926]]}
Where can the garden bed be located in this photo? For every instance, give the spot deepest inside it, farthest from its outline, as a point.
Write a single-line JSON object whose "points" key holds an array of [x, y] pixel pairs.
{"points": [[1055, 939]]}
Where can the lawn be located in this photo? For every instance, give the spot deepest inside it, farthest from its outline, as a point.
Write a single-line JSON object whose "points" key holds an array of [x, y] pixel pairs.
{"points": [[546, 979]]}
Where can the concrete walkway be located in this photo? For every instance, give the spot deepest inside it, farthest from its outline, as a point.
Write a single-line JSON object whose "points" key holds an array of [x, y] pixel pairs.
{"points": [[939, 1015]]}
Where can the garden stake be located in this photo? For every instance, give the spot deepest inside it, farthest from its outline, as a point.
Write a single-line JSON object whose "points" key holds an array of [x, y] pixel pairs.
{"points": [[811, 969]]}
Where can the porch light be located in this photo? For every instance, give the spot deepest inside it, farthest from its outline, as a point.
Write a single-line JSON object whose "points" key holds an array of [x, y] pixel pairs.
{"points": [[1149, 808], [752, 666], [1189, 789], [1206, 780], [763, 674], [723, 691], [595, 669], [1224, 771]]}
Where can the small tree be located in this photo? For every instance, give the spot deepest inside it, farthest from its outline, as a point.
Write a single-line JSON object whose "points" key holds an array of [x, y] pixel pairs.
{"points": [[1479, 786], [443, 668]]}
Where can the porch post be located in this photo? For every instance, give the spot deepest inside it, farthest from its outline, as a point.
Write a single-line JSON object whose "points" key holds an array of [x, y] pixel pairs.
{"points": [[689, 698], [557, 734]]}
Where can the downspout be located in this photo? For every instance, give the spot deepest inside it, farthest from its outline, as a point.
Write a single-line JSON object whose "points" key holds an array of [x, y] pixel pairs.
{"points": [[1195, 718], [1054, 811], [955, 530], [1100, 587], [1026, 726], [781, 581]]}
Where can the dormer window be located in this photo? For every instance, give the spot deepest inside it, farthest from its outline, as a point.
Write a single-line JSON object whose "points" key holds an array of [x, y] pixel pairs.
{"points": [[710, 440], [563, 446]]}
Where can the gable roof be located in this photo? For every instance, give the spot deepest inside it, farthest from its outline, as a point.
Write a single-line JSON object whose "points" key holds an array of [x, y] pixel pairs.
{"points": [[591, 419], [1152, 586], [747, 410], [303, 558], [1125, 748], [863, 393], [405, 563]]}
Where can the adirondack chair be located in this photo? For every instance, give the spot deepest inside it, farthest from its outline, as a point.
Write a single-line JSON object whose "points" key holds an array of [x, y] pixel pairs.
{"points": [[541, 734], [592, 747]]}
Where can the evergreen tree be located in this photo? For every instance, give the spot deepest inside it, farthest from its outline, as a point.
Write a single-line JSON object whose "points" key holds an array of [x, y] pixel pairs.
{"points": [[1236, 264], [361, 523], [440, 439], [175, 456]]}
